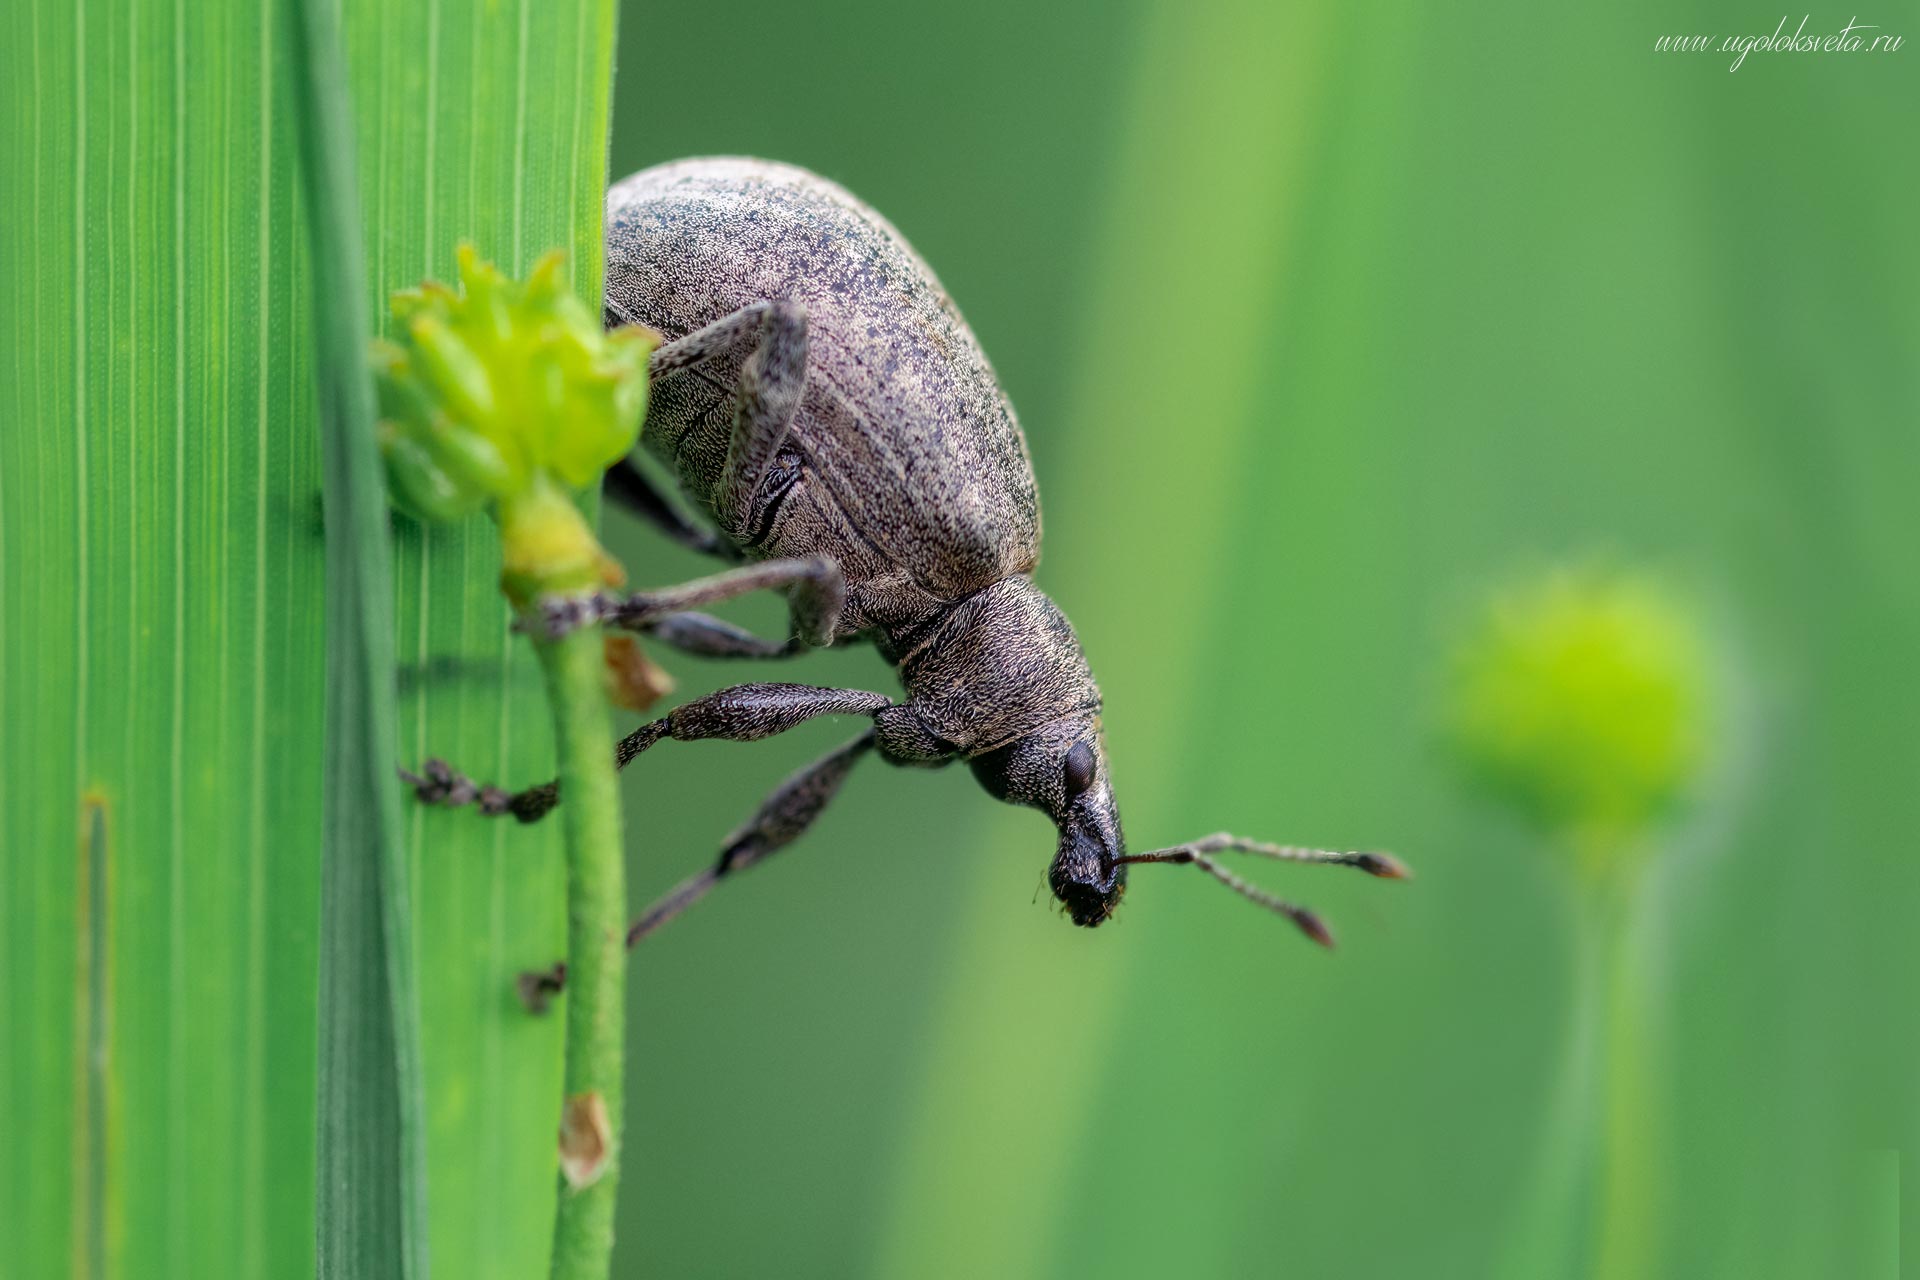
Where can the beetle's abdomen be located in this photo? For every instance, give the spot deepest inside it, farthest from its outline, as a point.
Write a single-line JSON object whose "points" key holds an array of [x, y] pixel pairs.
{"points": [[903, 427]]}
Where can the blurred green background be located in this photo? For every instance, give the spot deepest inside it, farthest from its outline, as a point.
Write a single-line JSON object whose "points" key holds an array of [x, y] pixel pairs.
{"points": [[1323, 321]]}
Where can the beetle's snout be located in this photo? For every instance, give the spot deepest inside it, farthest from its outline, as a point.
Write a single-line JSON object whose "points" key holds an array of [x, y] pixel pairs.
{"points": [[1085, 874]]}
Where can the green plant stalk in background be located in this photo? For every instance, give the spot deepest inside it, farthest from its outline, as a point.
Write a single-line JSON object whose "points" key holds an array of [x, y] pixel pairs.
{"points": [[1590, 1202], [1006, 1063], [1549, 1212], [1629, 1194], [371, 1213]]}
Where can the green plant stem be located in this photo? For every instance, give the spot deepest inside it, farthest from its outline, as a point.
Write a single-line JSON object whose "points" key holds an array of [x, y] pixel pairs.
{"points": [[596, 936], [1544, 1237], [1629, 1173], [1591, 1203]]}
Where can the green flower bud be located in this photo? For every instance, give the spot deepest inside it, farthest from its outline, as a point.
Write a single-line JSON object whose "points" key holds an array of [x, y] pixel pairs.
{"points": [[493, 395], [1581, 701]]}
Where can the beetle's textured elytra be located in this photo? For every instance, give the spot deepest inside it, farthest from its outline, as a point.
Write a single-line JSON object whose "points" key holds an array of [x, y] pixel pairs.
{"points": [[820, 397], [912, 470]]}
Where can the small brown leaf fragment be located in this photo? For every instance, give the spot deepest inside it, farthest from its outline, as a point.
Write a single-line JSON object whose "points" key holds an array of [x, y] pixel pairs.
{"points": [[586, 1140], [634, 680], [612, 572]]}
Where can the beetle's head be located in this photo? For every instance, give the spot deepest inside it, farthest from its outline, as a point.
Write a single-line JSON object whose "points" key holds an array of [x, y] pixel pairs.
{"points": [[1061, 770]]}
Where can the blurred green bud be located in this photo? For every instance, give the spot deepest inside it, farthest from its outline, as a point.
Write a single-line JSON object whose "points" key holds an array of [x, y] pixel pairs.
{"points": [[1581, 700], [421, 486], [499, 397]]}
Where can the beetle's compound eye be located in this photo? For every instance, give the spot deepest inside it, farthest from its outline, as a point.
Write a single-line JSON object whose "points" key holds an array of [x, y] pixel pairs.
{"points": [[1077, 774]]}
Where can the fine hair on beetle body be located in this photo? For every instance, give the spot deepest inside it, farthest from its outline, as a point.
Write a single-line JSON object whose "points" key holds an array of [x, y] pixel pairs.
{"points": [[819, 398]]}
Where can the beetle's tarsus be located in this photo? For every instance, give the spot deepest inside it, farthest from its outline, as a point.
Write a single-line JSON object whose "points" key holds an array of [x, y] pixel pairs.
{"points": [[538, 987], [438, 783], [555, 616], [742, 713], [817, 594]]}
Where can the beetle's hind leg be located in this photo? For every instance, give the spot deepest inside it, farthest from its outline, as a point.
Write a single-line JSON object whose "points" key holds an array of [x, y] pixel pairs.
{"points": [[631, 488], [781, 819]]}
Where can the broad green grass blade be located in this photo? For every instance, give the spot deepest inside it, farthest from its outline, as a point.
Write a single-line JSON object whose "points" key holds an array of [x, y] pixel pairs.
{"points": [[371, 1209], [159, 512], [161, 622]]}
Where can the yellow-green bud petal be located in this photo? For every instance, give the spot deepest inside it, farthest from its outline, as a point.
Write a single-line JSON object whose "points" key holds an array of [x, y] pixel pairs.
{"points": [[452, 370], [422, 488]]}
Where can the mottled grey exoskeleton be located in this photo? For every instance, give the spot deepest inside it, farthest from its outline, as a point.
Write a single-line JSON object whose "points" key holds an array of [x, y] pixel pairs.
{"points": [[821, 396]]}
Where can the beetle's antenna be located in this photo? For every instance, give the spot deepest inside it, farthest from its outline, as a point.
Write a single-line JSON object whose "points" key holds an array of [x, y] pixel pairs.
{"points": [[1309, 923], [1374, 863], [1195, 852]]}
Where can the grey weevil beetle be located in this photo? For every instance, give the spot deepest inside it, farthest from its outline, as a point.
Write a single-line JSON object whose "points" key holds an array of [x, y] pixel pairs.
{"points": [[820, 395]]}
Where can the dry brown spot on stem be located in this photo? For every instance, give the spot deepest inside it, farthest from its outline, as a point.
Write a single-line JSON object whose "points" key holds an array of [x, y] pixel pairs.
{"points": [[586, 1139]]}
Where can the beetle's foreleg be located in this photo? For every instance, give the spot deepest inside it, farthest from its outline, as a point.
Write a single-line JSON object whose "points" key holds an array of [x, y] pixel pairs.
{"points": [[781, 819], [705, 636], [743, 713]]}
